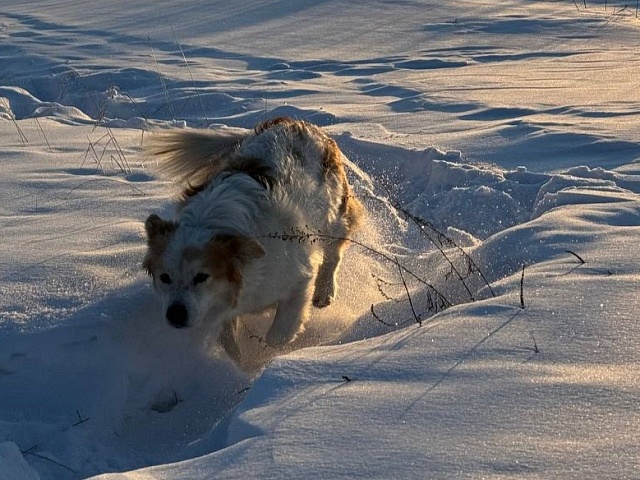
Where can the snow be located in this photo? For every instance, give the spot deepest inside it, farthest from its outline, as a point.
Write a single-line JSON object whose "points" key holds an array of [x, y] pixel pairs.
{"points": [[509, 127]]}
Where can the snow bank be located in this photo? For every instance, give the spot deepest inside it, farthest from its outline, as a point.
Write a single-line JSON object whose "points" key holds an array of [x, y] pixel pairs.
{"points": [[483, 389], [14, 466]]}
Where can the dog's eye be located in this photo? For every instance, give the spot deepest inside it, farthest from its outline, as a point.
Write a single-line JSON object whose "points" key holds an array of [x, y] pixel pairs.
{"points": [[200, 278], [165, 278]]}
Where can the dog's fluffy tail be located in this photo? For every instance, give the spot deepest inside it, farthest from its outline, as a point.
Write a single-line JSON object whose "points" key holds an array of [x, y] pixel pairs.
{"points": [[192, 156]]}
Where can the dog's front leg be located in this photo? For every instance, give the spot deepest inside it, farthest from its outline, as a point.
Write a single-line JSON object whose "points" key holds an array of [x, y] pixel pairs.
{"points": [[291, 313], [326, 284]]}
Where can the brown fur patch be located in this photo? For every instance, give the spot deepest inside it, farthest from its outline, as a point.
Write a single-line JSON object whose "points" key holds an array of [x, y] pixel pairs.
{"points": [[353, 212], [159, 232], [227, 255], [332, 160], [351, 209], [272, 122]]}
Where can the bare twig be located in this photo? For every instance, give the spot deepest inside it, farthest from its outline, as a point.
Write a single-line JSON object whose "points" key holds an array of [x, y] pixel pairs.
{"points": [[44, 135], [243, 390], [23, 138], [442, 242], [186, 62], [406, 289], [31, 451], [535, 344], [255, 336], [80, 419], [91, 148], [380, 282], [164, 84], [105, 179], [522, 287], [302, 235], [580, 259], [123, 163], [385, 323]]}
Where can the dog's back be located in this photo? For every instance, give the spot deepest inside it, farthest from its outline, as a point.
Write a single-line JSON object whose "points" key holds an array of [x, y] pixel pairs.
{"points": [[295, 155]]}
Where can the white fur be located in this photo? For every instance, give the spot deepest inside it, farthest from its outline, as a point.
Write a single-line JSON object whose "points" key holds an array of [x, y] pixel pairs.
{"points": [[303, 196]]}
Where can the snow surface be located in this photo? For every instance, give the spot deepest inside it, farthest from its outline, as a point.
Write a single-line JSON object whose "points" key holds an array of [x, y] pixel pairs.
{"points": [[511, 127]]}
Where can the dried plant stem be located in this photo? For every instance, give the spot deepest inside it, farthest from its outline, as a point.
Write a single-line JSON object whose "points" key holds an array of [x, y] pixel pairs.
{"points": [[441, 242], [580, 259], [186, 62], [522, 288], [301, 235], [406, 289]]}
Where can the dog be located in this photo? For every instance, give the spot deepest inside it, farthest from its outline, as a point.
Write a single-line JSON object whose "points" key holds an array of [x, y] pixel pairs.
{"points": [[263, 222]]}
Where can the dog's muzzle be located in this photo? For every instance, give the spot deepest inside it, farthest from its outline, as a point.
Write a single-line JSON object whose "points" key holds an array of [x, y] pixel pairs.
{"points": [[178, 315]]}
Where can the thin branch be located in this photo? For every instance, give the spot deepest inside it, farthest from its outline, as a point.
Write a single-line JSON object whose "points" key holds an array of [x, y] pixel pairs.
{"points": [[406, 289], [440, 241], [522, 287], [535, 344], [80, 419], [125, 167], [30, 451], [243, 390], [44, 135], [255, 336], [5, 103], [380, 282], [163, 83], [300, 236], [385, 323], [186, 62], [105, 179], [580, 259]]}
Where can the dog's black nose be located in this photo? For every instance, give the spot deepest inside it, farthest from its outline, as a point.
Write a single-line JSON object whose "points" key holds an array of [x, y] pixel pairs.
{"points": [[178, 315]]}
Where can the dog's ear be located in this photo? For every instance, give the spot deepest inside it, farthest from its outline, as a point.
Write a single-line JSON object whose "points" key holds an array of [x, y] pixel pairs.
{"points": [[229, 254], [235, 248], [158, 233], [247, 249], [157, 227]]}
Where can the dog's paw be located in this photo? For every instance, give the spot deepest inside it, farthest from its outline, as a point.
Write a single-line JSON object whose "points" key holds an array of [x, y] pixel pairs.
{"points": [[321, 301], [278, 338]]}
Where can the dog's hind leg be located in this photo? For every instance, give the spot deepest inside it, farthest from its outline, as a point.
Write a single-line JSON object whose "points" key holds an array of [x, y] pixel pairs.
{"points": [[290, 316]]}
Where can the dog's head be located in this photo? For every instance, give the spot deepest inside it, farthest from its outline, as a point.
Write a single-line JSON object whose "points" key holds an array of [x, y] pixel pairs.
{"points": [[194, 275]]}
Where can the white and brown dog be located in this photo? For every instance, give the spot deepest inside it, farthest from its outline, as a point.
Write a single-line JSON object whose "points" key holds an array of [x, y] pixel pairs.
{"points": [[224, 255]]}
